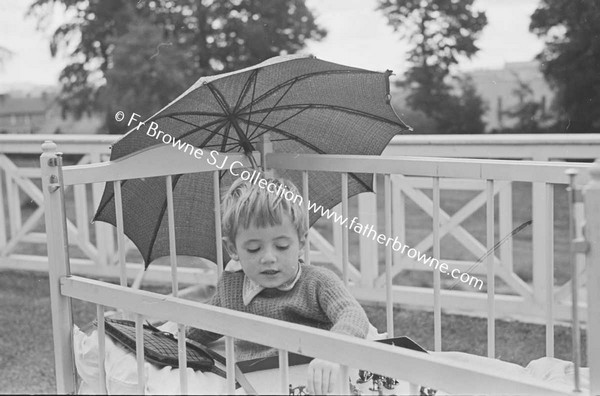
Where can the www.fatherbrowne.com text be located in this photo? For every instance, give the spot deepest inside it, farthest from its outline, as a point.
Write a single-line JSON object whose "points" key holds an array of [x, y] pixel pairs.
{"points": [[221, 162]]}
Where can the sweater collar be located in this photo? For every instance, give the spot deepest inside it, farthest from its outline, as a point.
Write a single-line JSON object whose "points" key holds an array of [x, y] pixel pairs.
{"points": [[251, 289]]}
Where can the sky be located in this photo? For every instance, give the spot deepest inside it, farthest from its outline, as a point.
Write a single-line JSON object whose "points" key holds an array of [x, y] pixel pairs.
{"points": [[358, 35]]}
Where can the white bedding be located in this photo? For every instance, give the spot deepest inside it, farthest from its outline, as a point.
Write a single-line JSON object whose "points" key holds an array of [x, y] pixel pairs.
{"points": [[121, 373]]}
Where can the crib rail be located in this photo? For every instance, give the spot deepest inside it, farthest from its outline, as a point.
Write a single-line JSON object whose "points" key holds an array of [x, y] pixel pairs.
{"points": [[475, 169], [415, 368], [395, 362]]}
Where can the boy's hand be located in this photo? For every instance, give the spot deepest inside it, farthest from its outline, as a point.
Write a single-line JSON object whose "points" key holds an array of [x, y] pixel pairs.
{"points": [[322, 376]]}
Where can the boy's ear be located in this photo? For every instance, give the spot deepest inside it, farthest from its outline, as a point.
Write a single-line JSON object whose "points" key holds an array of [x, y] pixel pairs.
{"points": [[230, 247]]}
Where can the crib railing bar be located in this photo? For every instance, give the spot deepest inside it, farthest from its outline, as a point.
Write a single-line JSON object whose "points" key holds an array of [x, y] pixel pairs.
{"points": [[336, 229], [413, 389], [591, 197], [160, 160], [437, 301], [367, 214], [182, 356], [575, 332], [491, 320], [344, 255], [505, 225], [139, 352], [101, 348], [172, 240], [284, 371], [389, 297], [305, 200], [218, 241], [2, 216], [58, 267], [120, 232], [550, 271], [399, 202], [14, 208], [81, 211], [104, 232], [344, 385], [478, 169], [230, 364]]}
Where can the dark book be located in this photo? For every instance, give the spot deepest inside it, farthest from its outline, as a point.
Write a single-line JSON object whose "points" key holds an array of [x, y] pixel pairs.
{"points": [[294, 359]]}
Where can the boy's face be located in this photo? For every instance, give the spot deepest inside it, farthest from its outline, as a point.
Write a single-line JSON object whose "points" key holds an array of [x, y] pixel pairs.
{"points": [[268, 256]]}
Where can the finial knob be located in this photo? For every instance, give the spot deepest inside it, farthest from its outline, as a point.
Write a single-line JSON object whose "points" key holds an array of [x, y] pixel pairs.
{"points": [[48, 146]]}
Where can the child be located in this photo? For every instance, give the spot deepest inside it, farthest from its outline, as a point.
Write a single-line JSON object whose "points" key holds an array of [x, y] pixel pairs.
{"points": [[266, 233]]}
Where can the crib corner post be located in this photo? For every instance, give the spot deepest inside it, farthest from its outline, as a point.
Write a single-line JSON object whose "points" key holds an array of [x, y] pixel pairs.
{"points": [[592, 235], [58, 267]]}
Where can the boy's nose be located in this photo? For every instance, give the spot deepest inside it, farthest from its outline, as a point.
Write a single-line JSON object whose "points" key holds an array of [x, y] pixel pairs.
{"points": [[268, 257]]}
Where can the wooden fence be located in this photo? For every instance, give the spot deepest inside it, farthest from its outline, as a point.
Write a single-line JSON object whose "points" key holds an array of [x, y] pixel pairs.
{"points": [[22, 239]]}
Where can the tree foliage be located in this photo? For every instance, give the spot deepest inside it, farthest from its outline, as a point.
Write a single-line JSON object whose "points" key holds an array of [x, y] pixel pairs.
{"points": [[528, 113], [440, 32], [139, 55], [571, 59]]}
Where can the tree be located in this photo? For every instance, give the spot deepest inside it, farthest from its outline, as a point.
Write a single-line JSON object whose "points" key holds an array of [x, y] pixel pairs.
{"points": [[441, 32], [571, 59], [528, 112], [468, 109], [139, 55]]}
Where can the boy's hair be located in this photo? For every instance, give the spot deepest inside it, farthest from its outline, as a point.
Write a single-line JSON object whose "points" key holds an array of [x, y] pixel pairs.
{"points": [[246, 204]]}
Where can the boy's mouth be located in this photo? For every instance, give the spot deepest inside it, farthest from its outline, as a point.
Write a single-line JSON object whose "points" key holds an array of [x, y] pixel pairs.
{"points": [[269, 272]]}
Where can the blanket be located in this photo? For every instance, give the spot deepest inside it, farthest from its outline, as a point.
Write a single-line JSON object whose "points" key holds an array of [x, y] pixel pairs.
{"points": [[121, 373]]}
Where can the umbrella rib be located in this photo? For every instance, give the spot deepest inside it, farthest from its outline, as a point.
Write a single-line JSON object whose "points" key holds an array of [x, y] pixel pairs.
{"points": [[276, 125], [271, 109], [205, 127], [335, 108], [291, 136], [220, 99], [292, 81], [317, 150], [226, 136], [235, 125], [179, 113], [213, 133], [252, 103], [251, 78], [202, 145], [209, 137], [244, 142]]}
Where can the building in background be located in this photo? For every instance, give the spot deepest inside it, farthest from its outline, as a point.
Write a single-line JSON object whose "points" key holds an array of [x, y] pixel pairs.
{"points": [[38, 112], [24, 114], [498, 88]]}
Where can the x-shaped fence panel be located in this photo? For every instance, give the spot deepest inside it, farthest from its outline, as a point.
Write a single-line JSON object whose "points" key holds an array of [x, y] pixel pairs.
{"points": [[449, 225], [20, 180]]}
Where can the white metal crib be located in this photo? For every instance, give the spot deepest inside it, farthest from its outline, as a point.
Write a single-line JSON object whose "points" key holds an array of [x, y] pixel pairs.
{"points": [[413, 367]]}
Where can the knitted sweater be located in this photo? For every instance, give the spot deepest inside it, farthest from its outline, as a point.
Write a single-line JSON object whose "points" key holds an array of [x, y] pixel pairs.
{"points": [[318, 299]]}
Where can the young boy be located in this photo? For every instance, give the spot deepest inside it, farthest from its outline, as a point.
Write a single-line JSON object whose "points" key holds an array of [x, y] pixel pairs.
{"points": [[266, 234]]}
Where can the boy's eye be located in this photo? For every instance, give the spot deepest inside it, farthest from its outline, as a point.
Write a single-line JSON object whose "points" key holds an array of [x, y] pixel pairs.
{"points": [[253, 249], [283, 247]]}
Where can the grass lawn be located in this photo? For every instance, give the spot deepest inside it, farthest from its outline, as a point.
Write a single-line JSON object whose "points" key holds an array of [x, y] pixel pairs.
{"points": [[27, 360]]}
